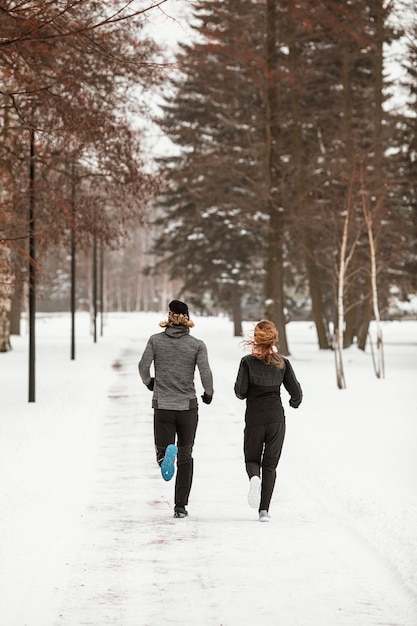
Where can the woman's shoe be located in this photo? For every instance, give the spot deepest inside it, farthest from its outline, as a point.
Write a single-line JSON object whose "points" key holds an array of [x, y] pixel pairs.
{"points": [[264, 516], [254, 495]]}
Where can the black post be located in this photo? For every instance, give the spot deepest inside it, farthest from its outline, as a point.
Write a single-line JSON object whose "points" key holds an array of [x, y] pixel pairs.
{"points": [[73, 267], [95, 287], [101, 288], [32, 276]]}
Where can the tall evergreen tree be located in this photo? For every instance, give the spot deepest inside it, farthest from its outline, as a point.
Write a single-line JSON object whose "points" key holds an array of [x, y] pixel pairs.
{"points": [[289, 108], [405, 268], [336, 122], [214, 205]]}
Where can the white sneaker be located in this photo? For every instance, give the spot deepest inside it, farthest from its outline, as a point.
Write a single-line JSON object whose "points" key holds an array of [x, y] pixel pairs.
{"points": [[254, 495], [264, 516]]}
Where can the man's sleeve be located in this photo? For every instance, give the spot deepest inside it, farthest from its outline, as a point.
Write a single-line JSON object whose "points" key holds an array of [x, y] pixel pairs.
{"points": [[145, 363], [203, 365]]}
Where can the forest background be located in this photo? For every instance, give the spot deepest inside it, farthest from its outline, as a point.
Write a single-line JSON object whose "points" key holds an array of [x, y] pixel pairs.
{"points": [[259, 163]]}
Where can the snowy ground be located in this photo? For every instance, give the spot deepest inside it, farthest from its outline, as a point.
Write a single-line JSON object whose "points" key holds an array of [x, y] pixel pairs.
{"points": [[86, 529]]}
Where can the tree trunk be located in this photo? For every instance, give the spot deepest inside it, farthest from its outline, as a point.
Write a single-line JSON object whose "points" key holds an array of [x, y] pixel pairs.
{"points": [[350, 327], [16, 306], [5, 299], [379, 94], [237, 311], [6, 203], [379, 189], [375, 305], [274, 305], [317, 308], [299, 209], [340, 307], [366, 316], [274, 287], [351, 313], [345, 257]]}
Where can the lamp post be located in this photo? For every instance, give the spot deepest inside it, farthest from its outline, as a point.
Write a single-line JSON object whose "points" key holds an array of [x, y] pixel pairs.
{"points": [[32, 275]]}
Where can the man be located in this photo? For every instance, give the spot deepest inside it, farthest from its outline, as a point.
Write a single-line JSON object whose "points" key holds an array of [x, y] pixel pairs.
{"points": [[175, 354]]}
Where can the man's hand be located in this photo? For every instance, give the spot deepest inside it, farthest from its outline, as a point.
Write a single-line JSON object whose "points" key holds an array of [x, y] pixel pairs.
{"points": [[206, 398]]}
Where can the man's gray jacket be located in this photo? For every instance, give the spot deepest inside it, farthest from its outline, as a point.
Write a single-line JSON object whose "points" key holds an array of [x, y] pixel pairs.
{"points": [[175, 354]]}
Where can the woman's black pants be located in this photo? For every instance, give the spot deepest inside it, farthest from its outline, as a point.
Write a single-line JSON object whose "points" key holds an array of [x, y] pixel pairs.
{"points": [[262, 448]]}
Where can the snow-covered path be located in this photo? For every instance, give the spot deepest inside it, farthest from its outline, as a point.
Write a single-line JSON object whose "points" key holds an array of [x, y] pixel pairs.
{"points": [[136, 565], [119, 558]]}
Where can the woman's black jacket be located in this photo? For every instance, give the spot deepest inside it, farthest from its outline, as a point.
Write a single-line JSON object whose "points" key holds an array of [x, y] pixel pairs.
{"points": [[260, 384]]}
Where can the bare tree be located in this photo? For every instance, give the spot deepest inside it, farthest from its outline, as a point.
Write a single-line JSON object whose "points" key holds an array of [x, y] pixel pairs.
{"points": [[369, 218], [71, 73], [347, 249]]}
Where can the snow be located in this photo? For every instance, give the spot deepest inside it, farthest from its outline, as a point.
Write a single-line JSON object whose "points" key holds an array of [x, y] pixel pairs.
{"points": [[86, 528]]}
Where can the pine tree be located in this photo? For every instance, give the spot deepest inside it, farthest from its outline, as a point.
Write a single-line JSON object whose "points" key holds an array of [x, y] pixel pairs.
{"points": [[335, 64], [404, 211], [214, 206], [289, 108]]}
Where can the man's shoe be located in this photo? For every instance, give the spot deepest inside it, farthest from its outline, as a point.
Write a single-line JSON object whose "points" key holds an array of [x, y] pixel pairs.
{"points": [[167, 465], [264, 516], [180, 511], [254, 495]]}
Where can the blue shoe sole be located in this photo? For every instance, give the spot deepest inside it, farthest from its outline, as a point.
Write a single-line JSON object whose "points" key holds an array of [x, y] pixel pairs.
{"points": [[167, 465]]}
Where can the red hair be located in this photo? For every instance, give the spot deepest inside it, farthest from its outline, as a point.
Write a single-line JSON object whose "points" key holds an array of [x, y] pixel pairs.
{"points": [[265, 335]]}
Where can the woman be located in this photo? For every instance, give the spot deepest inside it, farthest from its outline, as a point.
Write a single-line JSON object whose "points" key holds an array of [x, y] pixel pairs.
{"points": [[175, 354], [259, 381]]}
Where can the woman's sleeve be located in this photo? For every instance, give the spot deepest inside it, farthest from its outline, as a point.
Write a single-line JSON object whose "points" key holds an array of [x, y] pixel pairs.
{"points": [[292, 385], [242, 381]]}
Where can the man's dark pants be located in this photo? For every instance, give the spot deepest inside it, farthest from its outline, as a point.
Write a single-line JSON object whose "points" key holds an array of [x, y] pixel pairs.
{"points": [[169, 425]]}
